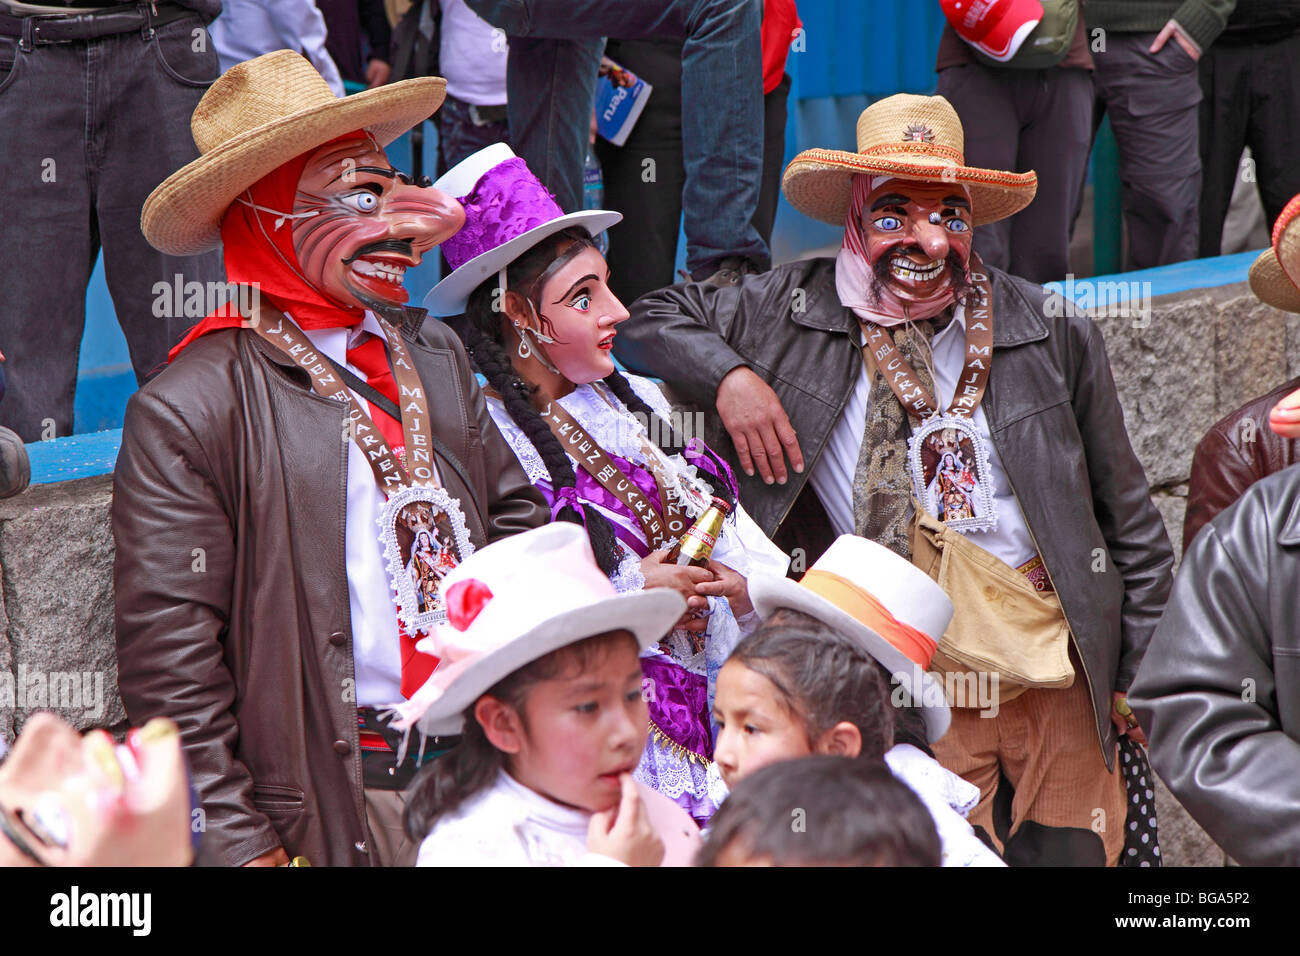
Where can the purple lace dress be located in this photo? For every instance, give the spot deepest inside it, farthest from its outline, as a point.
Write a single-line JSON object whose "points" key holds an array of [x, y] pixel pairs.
{"points": [[680, 674]]}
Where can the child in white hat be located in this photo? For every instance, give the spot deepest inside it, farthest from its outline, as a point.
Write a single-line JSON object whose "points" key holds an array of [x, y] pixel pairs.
{"points": [[813, 680], [541, 676]]}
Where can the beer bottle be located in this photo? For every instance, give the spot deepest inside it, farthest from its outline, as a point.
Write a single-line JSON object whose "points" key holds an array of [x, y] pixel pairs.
{"points": [[696, 544]]}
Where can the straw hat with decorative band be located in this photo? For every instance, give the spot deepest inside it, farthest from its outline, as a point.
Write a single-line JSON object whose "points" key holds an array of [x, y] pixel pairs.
{"points": [[912, 137], [1275, 276], [257, 115]]}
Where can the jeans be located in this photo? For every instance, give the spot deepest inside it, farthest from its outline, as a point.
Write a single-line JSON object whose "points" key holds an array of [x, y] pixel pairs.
{"points": [[90, 128], [555, 48], [458, 135], [643, 247]]}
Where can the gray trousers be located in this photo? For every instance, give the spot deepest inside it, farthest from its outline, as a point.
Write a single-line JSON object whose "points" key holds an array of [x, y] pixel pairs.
{"points": [[89, 129], [1152, 100], [1020, 120], [389, 844]]}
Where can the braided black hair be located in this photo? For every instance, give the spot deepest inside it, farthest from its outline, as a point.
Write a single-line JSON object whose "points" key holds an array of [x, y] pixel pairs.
{"points": [[480, 329]]}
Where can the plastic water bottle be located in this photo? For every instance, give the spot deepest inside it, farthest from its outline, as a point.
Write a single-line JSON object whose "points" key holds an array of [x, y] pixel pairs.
{"points": [[593, 193]]}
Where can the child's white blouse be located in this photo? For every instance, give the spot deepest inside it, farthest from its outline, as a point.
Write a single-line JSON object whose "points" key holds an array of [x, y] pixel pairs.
{"points": [[510, 825]]}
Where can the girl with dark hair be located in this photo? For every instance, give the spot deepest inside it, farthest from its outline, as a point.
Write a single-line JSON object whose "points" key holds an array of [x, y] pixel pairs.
{"points": [[796, 688], [549, 708], [538, 320], [841, 666]]}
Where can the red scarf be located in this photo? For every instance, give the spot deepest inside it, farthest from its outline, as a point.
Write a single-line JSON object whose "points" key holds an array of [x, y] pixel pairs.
{"points": [[250, 258]]}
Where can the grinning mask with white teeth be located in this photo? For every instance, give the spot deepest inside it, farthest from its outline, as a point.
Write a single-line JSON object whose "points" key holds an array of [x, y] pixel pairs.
{"points": [[906, 251], [359, 224]]}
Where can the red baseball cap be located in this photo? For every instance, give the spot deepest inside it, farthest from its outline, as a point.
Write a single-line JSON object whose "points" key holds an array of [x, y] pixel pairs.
{"points": [[994, 27]]}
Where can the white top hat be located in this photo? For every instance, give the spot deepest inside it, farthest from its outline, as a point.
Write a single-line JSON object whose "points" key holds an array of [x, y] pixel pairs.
{"points": [[517, 600], [507, 212], [891, 608]]}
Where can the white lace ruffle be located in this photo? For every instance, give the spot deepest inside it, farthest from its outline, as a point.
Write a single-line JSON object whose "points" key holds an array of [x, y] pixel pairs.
{"points": [[742, 546], [717, 789], [628, 576], [524, 450], [673, 776]]}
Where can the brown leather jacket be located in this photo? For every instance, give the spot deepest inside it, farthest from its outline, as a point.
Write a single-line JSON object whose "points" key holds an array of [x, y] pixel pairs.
{"points": [[1237, 452], [1051, 406], [232, 598]]}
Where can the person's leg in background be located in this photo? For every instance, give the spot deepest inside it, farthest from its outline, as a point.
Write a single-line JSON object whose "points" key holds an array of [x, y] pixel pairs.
{"points": [[775, 114], [15, 466], [140, 128], [550, 93], [1055, 141], [722, 133], [551, 90], [1152, 100], [460, 136], [1224, 73], [49, 249], [644, 176], [1274, 112], [985, 101]]}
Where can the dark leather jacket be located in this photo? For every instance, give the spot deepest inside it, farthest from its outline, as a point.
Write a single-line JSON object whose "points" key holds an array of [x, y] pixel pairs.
{"points": [[1052, 410], [1219, 691], [1234, 454], [232, 597]]}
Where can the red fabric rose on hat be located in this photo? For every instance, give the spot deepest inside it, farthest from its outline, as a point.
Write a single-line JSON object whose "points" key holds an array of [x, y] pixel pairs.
{"points": [[464, 601]]}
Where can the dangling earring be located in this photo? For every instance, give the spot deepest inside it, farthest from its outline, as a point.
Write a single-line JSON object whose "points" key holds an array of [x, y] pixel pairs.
{"points": [[525, 350]]}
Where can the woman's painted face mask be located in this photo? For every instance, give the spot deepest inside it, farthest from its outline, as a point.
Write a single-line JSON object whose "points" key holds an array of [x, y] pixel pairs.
{"points": [[580, 313], [371, 224]]}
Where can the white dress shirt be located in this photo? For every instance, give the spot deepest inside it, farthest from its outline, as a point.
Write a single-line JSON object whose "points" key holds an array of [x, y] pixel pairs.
{"points": [[249, 28], [376, 649], [832, 478], [472, 56]]}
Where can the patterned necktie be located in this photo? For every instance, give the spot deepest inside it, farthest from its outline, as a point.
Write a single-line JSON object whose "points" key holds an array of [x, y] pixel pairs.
{"points": [[370, 355], [882, 482]]}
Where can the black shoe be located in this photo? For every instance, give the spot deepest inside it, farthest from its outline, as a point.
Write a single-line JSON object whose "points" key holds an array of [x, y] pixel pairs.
{"points": [[730, 271], [15, 468]]}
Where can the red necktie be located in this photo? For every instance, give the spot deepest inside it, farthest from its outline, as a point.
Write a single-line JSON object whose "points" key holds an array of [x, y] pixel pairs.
{"points": [[370, 355]]}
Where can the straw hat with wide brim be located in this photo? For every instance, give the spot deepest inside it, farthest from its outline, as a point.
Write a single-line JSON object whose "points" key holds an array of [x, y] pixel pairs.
{"points": [[1275, 275], [911, 137], [258, 115]]}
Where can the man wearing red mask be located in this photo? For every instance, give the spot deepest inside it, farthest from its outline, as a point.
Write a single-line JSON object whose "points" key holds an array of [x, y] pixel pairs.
{"points": [[273, 479], [967, 420]]}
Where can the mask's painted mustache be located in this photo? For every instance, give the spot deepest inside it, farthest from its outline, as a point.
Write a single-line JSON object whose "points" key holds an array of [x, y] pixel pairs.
{"points": [[882, 275], [400, 246]]}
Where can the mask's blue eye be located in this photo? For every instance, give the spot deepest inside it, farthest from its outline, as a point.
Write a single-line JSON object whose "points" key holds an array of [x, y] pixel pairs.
{"points": [[888, 223], [363, 201], [582, 302], [958, 225]]}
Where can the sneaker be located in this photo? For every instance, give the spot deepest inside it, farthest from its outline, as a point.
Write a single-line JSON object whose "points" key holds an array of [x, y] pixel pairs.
{"points": [[15, 468], [730, 271]]}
